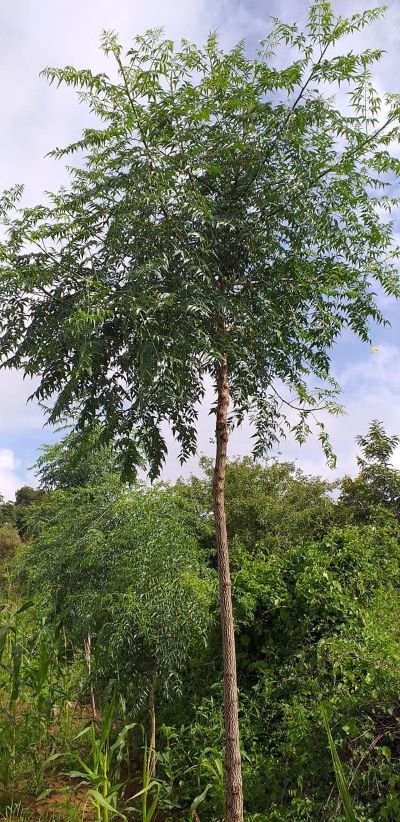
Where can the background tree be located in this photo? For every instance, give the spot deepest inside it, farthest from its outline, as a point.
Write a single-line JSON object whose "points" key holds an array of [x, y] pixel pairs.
{"points": [[224, 221], [270, 500], [7, 512], [25, 497], [79, 459], [376, 489]]}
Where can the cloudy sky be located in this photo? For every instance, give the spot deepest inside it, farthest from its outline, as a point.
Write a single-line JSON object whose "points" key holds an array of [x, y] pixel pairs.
{"points": [[36, 117]]}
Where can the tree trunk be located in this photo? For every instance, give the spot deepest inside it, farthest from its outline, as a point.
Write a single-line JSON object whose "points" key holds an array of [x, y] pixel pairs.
{"points": [[87, 650], [233, 768], [152, 733]]}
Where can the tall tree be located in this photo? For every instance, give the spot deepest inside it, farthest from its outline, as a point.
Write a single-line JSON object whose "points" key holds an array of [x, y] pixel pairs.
{"points": [[224, 220]]}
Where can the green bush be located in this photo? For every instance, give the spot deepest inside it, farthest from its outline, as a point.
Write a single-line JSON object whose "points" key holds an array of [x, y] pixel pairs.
{"points": [[9, 541]]}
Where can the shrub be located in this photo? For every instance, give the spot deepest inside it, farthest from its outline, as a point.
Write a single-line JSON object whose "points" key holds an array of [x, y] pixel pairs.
{"points": [[9, 541]]}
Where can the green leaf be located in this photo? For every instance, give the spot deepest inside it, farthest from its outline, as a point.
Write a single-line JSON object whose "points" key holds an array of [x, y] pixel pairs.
{"points": [[99, 799], [339, 772], [200, 798]]}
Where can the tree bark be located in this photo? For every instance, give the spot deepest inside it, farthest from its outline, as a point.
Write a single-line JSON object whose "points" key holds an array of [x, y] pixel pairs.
{"points": [[233, 768]]}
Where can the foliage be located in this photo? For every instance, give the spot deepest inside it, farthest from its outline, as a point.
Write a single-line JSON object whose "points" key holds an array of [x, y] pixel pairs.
{"points": [[273, 501], [9, 541], [31, 684], [7, 513], [104, 765], [12, 514], [225, 218], [317, 608], [223, 205], [149, 794], [317, 616], [377, 485], [128, 573], [339, 772], [25, 497], [75, 461]]}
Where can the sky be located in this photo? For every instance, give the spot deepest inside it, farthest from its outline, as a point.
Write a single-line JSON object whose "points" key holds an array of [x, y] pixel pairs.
{"points": [[36, 118]]}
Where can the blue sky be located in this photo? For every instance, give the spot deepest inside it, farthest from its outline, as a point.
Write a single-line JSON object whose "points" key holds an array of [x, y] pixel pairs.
{"points": [[35, 118]]}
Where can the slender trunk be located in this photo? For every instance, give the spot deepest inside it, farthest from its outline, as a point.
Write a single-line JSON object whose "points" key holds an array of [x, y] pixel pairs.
{"points": [[65, 645], [233, 768], [152, 733], [87, 650]]}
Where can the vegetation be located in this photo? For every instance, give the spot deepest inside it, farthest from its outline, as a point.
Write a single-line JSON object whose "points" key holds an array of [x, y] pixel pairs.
{"points": [[129, 725], [226, 220]]}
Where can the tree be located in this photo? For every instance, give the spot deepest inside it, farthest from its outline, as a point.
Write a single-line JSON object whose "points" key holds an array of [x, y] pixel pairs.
{"points": [[264, 500], [7, 513], [119, 566], [25, 497], [318, 624], [79, 459], [377, 446], [377, 486], [223, 221]]}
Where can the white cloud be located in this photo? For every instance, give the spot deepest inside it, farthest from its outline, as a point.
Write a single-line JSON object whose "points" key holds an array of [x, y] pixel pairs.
{"points": [[18, 422], [16, 414], [7, 460], [11, 477], [36, 117]]}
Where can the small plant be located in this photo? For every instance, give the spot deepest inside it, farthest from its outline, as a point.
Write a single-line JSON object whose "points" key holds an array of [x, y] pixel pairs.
{"points": [[150, 791], [211, 766], [339, 772], [30, 683], [14, 813], [102, 767]]}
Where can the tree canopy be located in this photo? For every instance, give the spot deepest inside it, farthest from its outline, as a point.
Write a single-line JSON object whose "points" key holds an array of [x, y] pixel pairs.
{"points": [[224, 206]]}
